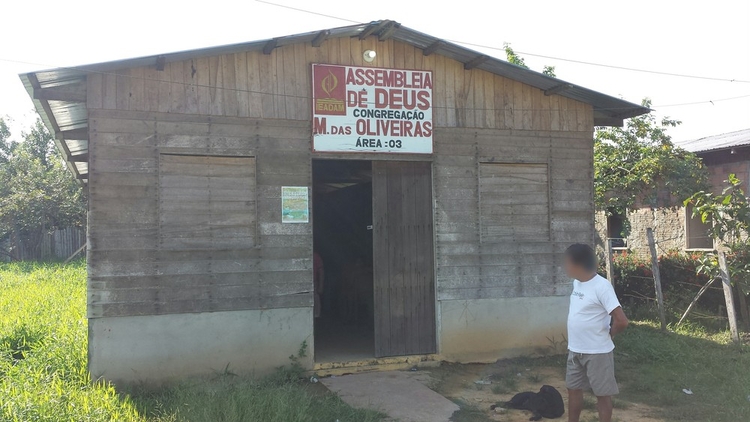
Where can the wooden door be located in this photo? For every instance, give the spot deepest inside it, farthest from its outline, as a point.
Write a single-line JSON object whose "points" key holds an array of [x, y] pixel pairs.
{"points": [[403, 258]]}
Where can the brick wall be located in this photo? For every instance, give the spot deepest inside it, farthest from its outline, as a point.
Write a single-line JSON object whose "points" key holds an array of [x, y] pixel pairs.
{"points": [[669, 224]]}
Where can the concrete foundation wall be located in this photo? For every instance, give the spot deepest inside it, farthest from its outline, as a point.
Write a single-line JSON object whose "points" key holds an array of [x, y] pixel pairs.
{"points": [[157, 349], [485, 330]]}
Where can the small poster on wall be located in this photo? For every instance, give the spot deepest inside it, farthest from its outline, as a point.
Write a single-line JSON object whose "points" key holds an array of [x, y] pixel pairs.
{"points": [[294, 204]]}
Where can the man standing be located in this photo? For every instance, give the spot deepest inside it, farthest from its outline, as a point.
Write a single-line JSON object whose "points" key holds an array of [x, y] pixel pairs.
{"points": [[591, 362]]}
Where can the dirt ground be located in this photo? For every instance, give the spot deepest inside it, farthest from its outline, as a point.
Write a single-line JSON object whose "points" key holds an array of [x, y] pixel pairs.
{"points": [[500, 381]]}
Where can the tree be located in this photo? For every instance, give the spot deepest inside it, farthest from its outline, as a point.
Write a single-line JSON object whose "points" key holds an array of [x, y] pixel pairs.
{"points": [[37, 193], [517, 60], [638, 165], [729, 215]]}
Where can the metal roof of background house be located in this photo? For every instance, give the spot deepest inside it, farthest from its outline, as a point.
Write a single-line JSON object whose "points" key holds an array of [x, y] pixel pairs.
{"points": [[717, 142], [60, 94]]}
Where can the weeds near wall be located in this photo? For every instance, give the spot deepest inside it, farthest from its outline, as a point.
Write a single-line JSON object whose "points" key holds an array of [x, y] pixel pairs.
{"points": [[43, 376]]}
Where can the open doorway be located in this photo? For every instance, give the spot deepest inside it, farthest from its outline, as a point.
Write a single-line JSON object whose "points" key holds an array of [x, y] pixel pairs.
{"points": [[343, 243]]}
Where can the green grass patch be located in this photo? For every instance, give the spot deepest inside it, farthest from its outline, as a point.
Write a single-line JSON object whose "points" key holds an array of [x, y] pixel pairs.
{"points": [[43, 348], [469, 413], [654, 367], [43, 355]]}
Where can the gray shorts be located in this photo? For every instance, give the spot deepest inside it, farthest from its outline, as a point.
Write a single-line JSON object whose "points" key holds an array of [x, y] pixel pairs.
{"points": [[595, 372]]}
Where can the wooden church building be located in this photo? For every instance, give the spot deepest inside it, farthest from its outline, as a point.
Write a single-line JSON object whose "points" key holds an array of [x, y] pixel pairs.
{"points": [[432, 188]]}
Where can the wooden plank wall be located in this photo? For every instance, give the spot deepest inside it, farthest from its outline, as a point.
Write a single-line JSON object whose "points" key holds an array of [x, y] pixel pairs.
{"points": [[257, 105], [277, 86], [206, 202], [470, 267], [132, 273], [513, 202]]}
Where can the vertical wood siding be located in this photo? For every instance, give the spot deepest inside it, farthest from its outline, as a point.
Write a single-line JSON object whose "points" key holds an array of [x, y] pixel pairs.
{"points": [[277, 86], [257, 105]]}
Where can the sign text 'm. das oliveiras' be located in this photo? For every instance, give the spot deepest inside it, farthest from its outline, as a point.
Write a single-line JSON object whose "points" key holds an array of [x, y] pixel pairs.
{"points": [[367, 109]]}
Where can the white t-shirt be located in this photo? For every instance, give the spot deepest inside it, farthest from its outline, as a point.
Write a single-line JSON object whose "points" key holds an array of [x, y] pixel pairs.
{"points": [[588, 319]]}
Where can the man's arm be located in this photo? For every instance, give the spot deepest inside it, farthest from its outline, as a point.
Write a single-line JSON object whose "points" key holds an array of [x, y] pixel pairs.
{"points": [[619, 321]]}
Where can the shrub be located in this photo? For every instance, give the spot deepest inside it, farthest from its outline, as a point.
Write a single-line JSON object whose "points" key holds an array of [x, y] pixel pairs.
{"points": [[634, 283]]}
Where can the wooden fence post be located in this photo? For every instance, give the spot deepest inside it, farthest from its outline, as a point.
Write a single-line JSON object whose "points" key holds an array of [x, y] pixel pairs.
{"points": [[610, 266], [728, 297], [657, 278]]}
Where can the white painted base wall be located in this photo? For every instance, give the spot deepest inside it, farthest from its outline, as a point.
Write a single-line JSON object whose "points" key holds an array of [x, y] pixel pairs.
{"points": [[157, 349], [485, 330], [163, 348]]}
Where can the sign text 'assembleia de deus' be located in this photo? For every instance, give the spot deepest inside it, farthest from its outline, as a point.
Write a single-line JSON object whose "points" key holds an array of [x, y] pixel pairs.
{"points": [[368, 109]]}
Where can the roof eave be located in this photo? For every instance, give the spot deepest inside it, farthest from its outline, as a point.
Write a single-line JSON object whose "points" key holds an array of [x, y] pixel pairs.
{"points": [[31, 84]]}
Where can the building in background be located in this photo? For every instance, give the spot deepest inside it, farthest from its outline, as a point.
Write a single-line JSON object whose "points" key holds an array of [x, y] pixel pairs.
{"points": [[440, 187], [676, 229]]}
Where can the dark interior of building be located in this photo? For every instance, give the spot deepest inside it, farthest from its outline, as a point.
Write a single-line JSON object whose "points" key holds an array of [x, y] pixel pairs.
{"points": [[342, 233]]}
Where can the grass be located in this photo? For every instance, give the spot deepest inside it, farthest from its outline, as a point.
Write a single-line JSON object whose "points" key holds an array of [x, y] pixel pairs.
{"points": [[654, 367], [43, 374]]}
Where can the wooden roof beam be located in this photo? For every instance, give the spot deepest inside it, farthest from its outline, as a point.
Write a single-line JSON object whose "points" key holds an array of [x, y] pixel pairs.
{"points": [[476, 61], [388, 31], [74, 93], [80, 158], [608, 121], [75, 134], [432, 48], [556, 89], [370, 29], [320, 38], [161, 62], [270, 45]]}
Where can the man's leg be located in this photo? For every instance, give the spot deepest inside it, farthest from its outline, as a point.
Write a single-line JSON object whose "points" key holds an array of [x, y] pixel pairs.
{"points": [[600, 369], [575, 380], [575, 405], [604, 406]]}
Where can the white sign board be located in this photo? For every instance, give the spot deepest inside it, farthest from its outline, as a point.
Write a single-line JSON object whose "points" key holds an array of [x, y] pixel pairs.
{"points": [[367, 109]]}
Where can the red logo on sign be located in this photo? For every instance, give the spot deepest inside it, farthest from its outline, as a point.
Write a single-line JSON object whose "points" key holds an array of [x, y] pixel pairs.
{"points": [[329, 90]]}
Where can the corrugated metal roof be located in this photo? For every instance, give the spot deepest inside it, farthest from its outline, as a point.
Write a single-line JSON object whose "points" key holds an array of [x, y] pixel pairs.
{"points": [[66, 118], [717, 142]]}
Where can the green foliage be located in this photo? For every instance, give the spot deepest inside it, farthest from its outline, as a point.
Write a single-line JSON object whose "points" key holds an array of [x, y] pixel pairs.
{"points": [[729, 214], [37, 193], [239, 399], [43, 349], [514, 58], [639, 165], [43, 375], [517, 60], [680, 279], [653, 368]]}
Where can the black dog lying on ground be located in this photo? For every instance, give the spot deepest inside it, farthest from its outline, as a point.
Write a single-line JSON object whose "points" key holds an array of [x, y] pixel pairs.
{"points": [[547, 403]]}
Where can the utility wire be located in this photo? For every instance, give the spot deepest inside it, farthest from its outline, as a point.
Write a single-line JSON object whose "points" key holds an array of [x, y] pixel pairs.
{"points": [[308, 97], [631, 69]]}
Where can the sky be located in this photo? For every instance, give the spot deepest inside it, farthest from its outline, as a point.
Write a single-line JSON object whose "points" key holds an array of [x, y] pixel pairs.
{"points": [[711, 40]]}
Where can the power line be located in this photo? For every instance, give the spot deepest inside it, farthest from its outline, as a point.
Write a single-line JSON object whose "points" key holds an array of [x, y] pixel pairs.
{"points": [[631, 69], [308, 11], [704, 102], [308, 97]]}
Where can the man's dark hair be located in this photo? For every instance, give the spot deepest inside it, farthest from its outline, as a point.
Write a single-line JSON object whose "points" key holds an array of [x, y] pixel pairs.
{"points": [[583, 255]]}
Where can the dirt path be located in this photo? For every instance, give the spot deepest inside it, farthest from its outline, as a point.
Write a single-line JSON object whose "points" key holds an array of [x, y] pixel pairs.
{"points": [[458, 382]]}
